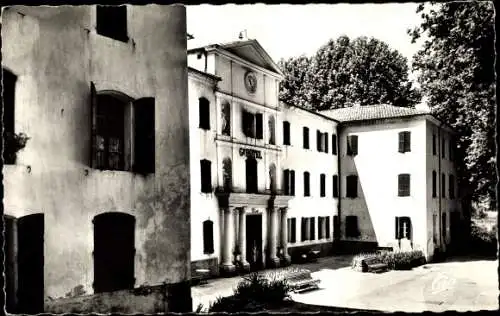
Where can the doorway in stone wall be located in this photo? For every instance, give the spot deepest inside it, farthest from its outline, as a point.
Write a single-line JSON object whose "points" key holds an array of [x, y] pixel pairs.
{"points": [[254, 241], [24, 264]]}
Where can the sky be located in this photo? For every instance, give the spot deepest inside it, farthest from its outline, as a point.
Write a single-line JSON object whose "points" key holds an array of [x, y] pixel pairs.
{"points": [[292, 30]]}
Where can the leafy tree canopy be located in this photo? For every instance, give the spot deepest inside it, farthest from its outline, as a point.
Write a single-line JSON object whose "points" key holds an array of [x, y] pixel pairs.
{"points": [[344, 71], [456, 72]]}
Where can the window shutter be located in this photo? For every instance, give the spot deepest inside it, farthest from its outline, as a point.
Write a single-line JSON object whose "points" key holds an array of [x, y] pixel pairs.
{"points": [[327, 226], [320, 228], [144, 135], [292, 182], [306, 184], [443, 185], [286, 181], [434, 183], [305, 132], [335, 186], [93, 125], [303, 229], [206, 176], [293, 228], [407, 142], [403, 185], [397, 233], [322, 180], [258, 126], [334, 144], [312, 229], [401, 142], [208, 237], [408, 227], [352, 145]]}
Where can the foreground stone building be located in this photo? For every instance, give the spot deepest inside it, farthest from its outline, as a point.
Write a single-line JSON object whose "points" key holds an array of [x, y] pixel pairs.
{"points": [[97, 202], [271, 182]]}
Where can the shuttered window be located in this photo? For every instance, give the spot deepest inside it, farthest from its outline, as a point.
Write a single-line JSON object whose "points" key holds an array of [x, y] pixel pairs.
{"points": [[352, 145], [320, 227], [286, 181], [291, 224], [111, 21], [286, 133], [434, 183], [352, 186], [351, 226], [307, 184], [206, 176], [292, 182], [322, 185], [404, 142], [312, 230], [404, 185], [204, 112], [259, 128], [334, 144], [335, 186], [451, 186], [327, 225], [305, 136], [208, 237], [303, 229], [336, 226], [325, 142], [319, 137], [443, 185]]}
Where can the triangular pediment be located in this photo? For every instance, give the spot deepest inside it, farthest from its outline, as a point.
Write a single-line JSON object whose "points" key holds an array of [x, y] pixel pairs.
{"points": [[252, 51]]}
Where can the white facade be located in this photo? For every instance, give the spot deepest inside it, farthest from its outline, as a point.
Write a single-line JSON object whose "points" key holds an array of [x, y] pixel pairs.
{"points": [[295, 219]]}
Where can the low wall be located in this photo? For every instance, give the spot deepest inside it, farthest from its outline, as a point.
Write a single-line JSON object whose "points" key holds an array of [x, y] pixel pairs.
{"points": [[147, 299], [208, 264], [325, 249]]}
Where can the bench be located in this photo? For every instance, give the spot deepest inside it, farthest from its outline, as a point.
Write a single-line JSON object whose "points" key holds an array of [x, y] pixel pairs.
{"points": [[200, 276], [372, 264], [301, 282]]}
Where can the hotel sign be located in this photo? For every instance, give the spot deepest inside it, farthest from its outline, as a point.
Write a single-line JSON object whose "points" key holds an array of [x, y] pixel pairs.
{"points": [[250, 153]]}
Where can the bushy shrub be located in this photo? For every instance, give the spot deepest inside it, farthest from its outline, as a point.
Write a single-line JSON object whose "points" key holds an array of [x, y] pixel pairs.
{"points": [[254, 293]]}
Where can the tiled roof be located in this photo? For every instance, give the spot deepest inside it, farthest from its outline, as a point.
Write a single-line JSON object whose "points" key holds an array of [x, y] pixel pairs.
{"points": [[372, 112]]}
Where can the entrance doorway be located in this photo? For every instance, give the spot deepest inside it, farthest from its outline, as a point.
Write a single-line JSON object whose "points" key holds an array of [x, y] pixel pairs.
{"points": [[254, 241]]}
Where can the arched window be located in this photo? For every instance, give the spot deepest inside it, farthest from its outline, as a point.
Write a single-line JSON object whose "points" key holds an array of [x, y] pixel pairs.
{"points": [[227, 175], [226, 119], [272, 178], [208, 237], [272, 130], [251, 175], [9, 91], [114, 252]]}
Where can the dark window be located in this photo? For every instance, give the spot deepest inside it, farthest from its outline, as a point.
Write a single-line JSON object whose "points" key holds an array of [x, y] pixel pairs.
{"points": [[404, 142], [206, 176], [351, 226], [291, 230], [335, 186], [443, 185], [352, 145], [248, 124], [144, 136], [259, 128], [325, 142], [352, 186], [286, 133], [286, 181], [251, 175], [322, 185], [404, 185], [434, 183], [320, 227], [434, 147], [334, 144], [303, 229], [443, 225], [305, 134], [336, 226], [319, 138], [112, 22], [443, 148], [114, 252], [403, 228], [451, 186], [109, 133], [327, 225], [227, 175], [307, 184], [204, 106], [292, 182], [8, 91], [312, 228], [208, 237]]}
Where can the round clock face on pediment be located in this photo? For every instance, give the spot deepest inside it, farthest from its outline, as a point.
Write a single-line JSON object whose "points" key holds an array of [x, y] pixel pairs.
{"points": [[251, 82]]}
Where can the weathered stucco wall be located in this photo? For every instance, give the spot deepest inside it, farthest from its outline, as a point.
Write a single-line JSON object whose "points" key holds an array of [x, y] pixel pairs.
{"points": [[56, 53], [377, 166]]}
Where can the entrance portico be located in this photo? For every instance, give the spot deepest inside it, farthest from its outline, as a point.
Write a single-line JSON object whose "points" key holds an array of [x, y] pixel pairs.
{"points": [[254, 233]]}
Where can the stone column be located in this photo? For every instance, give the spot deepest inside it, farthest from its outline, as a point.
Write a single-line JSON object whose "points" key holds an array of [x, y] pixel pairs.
{"points": [[274, 261], [242, 240], [227, 257], [284, 236]]}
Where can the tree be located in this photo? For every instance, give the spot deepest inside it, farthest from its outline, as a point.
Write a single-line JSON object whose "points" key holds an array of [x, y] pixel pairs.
{"points": [[344, 71], [456, 71]]}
